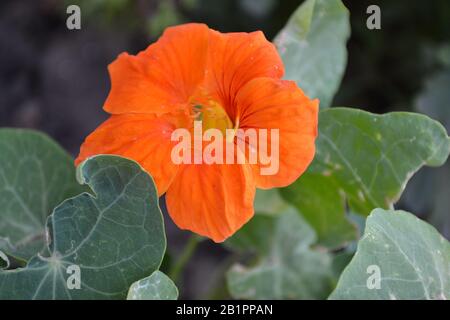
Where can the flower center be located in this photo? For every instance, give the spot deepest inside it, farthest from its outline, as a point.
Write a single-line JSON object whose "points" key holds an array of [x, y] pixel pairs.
{"points": [[212, 115]]}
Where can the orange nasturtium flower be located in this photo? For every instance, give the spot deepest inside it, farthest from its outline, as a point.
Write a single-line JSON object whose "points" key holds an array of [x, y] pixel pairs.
{"points": [[234, 80]]}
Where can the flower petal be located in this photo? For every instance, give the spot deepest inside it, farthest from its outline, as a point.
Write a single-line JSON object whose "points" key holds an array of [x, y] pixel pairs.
{"points": [[266, 103], [236, 58], [161, 78], [212, 200], [142, 138]]}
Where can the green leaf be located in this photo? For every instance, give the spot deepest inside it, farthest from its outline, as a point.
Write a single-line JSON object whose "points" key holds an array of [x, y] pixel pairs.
{"points": [[290, 269], [322, 204], [313, 47], [412, 258], [254, 236], [269, 202], [428, 192], [115, 237], [372, 157], [35, 176], [366, 160], [158, 286]]}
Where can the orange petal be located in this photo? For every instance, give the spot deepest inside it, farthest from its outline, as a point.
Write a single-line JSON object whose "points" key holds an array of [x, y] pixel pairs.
{"points": [[163, 77], [236, 58], [212, 200], [266, 103], [142, 138]]}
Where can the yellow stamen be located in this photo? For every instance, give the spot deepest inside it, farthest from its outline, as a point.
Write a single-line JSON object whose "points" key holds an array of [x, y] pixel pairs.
{"points": [[212, 115]]}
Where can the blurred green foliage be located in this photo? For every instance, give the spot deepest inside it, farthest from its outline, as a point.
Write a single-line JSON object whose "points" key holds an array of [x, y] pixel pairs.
{"points": [[386, 67]]}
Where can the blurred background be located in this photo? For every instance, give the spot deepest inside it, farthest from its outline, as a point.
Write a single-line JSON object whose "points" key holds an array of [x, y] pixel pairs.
{"points": [[55, 80]]}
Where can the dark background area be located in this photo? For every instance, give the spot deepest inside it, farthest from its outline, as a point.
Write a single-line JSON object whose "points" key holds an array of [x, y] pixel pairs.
{"points": [[55, 80]]}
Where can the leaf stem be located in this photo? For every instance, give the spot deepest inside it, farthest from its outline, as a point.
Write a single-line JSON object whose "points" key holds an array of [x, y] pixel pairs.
{"points": [[184, 258]]}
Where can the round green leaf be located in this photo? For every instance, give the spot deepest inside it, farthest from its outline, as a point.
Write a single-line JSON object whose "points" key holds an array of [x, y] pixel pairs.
{"points": [[409, 257], [364, 160], [428, 191], [158, 286], [113, 238], [35, 176], [372, 157], [313, 47]]}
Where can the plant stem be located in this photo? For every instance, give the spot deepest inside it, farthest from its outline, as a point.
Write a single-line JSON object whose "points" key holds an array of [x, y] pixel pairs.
{"points": [[184, 258]]}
